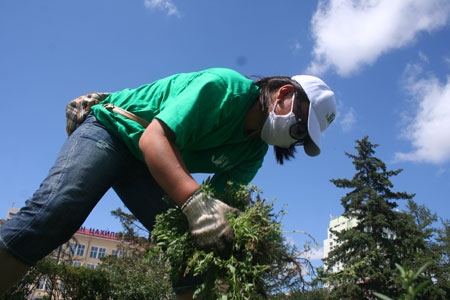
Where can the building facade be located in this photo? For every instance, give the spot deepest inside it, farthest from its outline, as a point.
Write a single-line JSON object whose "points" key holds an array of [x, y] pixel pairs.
{"points": [[339, 224], [87, 246], [84, 249]]}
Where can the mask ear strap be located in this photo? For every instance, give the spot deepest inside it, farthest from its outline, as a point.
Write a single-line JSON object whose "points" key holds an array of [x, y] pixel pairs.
{"points": [[274, 106], [292, 101]]}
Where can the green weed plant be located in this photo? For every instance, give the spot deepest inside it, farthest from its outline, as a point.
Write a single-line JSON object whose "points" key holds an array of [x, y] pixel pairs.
{"points": [[259, 251], [408, 281]]}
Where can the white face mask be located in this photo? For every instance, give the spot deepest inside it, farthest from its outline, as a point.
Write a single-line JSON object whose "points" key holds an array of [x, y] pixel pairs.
{"points": [[276, 128]]}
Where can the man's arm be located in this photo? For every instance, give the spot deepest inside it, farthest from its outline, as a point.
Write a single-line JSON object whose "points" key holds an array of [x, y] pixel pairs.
{"points": [[165, 163], [207, 218]]}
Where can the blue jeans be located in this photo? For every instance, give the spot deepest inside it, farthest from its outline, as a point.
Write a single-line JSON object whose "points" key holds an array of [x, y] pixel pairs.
{"points": [[91, 161]]}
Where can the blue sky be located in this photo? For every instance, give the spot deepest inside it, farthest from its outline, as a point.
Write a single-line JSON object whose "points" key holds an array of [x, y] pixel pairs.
{"points": [[387, 61]]}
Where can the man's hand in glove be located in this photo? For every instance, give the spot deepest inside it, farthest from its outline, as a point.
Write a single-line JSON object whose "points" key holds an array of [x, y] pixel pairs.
{"points": [[208, 222]]}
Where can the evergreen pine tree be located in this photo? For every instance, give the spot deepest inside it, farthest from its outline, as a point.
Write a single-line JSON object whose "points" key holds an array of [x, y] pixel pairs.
{"points": [[441, 274], [381, 237]]}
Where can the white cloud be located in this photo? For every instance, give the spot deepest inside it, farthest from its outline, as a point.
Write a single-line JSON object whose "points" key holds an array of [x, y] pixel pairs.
{"points": [[423, 58], [347, 120], [447, 61], [296, 47], [428, 126], [315, 254], [350, 34], [164, 5]]}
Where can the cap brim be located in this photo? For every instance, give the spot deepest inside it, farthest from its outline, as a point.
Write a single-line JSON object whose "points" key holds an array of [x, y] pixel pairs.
{"points": [[312, 146]]}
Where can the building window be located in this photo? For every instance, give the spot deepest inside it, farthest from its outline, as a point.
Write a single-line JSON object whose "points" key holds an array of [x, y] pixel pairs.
{"points": [[57, 250], [76, 249], [72, 248], [76, 263], [91, 266], [94, 252], [80, 250], [42, 285], [97, 252], [101, 252], [118, 253]]}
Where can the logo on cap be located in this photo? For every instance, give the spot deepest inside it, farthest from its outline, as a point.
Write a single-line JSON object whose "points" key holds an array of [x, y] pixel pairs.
{"points": [[330, 118]]}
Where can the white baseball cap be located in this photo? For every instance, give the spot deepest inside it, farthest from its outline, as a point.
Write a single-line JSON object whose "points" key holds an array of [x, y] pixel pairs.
{"points": [[322, 110]]}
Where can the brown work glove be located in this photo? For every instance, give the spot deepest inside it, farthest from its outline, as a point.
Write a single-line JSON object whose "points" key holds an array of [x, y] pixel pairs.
{"points": [[208, 223]]}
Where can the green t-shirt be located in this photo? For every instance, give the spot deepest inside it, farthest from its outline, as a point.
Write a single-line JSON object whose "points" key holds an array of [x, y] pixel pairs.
{"points": [[206, 112]]}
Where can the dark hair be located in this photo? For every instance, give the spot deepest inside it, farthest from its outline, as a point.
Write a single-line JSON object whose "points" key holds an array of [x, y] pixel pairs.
{"points": [[282, 154], [268, 85]]}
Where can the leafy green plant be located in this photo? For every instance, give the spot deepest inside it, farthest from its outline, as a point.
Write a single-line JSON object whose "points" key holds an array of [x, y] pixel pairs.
{"points": [[260, 255], [137, 276], [407, 279]]}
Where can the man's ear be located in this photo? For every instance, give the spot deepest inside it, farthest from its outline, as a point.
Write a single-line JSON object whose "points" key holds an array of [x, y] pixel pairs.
{"points": [[284, 91]]}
